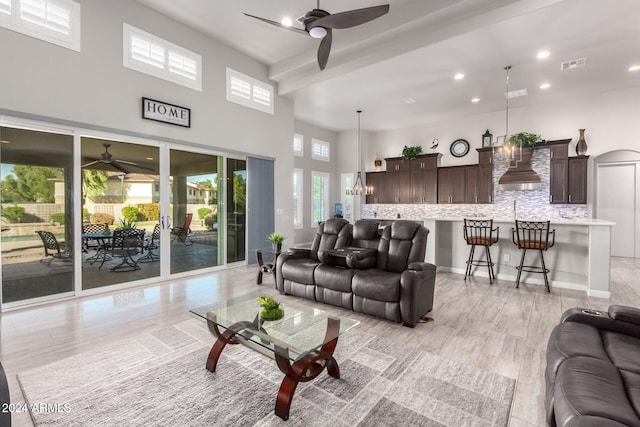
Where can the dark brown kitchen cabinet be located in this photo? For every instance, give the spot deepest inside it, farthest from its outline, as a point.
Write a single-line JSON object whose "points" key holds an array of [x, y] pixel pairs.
{"points": [[484, 184], [470, 184], [424, 178], [578, 179], [559, 174], [398, 187], [451, 184], [377, 181]]}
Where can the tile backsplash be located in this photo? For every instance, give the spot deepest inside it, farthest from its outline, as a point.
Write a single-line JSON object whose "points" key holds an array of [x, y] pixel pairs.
{"points": [[529, 204]]}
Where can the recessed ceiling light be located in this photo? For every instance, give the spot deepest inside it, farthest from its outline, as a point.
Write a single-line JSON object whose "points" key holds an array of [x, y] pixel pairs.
{"points": [[286, 21], [149, 158], [545, 86], [475, 100], [543, 54], [459, 76], [4, 141], [634, 68], [409, 100]]}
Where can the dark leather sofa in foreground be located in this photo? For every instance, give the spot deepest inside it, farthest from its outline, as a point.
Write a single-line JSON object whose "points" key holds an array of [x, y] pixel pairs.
{"points": [[358, 268], [593, 369]]}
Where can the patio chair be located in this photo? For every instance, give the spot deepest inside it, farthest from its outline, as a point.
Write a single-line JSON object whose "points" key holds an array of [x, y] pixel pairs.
{"points": [[152, 245], [182, 233], [52, 248], [91, 243], [126, 244]]}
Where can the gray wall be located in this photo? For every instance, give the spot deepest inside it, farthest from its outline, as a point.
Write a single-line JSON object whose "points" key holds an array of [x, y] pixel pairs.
{"points": [[92, 87], [307, 164]]}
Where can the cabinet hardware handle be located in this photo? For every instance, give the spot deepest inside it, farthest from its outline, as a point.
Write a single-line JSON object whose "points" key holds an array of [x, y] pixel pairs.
{"points": [[569, 198], [476, 199], [550, 198]]}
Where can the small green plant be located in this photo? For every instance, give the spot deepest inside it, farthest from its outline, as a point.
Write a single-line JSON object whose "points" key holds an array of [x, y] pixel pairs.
{"points": [[128, 223], [13, 214], [276, 238], [85, 214], [102, 218], [525, 139], [149, 211], [203, 212], [409, 153], [270, 308], [57, 217]]}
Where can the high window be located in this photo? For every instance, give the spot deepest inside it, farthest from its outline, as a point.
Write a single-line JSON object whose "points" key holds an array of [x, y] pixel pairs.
{"points": [[54, 21], [298, 147], [346, 199], [160, 58], [250, 92], [320, 150], [320, 197], [297, 198]]}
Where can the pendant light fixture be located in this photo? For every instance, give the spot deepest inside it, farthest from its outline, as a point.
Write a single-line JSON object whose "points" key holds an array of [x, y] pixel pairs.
{"points": [[358, 188], [511, 154]]}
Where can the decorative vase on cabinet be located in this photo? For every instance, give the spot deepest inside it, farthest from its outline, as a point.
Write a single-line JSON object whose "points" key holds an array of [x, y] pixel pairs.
{"points": [[581, 146]]}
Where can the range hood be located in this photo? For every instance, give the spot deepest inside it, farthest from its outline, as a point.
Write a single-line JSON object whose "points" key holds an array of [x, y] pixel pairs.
{"points": [[520, 175]]}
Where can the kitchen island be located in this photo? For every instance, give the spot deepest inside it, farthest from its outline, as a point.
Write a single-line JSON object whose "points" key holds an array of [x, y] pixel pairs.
{"points": [[580, 258]]}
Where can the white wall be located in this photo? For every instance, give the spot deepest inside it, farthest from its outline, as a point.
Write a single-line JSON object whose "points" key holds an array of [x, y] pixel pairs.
{"points": [[308, 164], [92, 87]]}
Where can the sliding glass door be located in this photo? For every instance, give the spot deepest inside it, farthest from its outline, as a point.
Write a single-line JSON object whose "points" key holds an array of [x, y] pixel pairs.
{"points": [[195, 211], [36, 175], [120, 212], [236, 196]]}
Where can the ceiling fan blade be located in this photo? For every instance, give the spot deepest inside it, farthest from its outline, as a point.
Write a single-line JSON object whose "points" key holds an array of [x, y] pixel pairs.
{"points": [[277, 24], [119, 167], [324, 49], [350, 18], [125, 162], [86, 165]]}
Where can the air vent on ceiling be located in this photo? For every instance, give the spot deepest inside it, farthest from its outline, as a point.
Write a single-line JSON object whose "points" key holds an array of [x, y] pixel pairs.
{"points": [[300, 19], [517, 93], [575, 63]]}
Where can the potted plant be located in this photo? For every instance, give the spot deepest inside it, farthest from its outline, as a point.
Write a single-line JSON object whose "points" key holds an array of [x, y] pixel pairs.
{"points": [[276, 240], [409, 153], [271, 309], [128, 223], [525, 139]]}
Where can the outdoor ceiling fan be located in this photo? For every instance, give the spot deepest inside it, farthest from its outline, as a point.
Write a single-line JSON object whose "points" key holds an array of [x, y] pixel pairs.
{"points": [[319, 24], [107, 159]]}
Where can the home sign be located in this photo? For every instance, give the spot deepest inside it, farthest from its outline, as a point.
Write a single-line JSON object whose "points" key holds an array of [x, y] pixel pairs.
{"points": [[166, 113]]}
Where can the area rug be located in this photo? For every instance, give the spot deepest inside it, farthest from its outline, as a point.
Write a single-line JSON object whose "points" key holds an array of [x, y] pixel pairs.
{"points": [[159, 379]]}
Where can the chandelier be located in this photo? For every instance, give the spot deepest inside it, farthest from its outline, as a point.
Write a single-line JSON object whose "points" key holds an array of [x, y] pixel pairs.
{"points": [[359, 188], [509, 153]]}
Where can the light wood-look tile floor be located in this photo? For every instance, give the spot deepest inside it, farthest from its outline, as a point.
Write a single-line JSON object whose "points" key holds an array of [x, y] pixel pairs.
{"points": [[494, 327]]}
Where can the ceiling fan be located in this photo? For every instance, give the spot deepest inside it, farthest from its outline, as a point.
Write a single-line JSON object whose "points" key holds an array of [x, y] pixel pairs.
{"points": [[107, 159], [319, 24]]}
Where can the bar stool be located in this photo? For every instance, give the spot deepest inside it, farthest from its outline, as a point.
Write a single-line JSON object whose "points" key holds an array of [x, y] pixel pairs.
{"points": [[533, 235], [479, 232]]}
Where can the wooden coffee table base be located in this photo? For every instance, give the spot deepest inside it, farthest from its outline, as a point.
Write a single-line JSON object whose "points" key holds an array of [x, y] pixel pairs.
{"points": [[302, 370]]}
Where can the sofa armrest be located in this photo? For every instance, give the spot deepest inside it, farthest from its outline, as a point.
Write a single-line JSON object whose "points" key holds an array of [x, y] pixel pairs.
{"points": [[298, 253], [624, 313], [417, 286], [293, 253], [421, 266], [602, 320], [362, 258]]}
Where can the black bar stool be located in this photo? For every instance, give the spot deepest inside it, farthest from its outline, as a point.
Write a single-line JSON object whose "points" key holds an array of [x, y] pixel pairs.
{"points": [[479, 232], [533, 235]]}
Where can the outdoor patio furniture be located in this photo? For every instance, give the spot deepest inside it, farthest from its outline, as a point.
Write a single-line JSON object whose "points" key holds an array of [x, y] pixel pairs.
{"points": [[182, 233], [52, 248], [151, 245], [91, 228], [126, 244]]}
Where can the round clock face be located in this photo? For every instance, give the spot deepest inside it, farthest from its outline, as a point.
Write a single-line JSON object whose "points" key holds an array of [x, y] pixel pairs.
{"points": [[459, 148]]}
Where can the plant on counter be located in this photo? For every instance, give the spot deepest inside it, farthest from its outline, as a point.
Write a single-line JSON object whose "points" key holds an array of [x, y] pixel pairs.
{"points": [[525, 139], [271, 309], [409, 153]]}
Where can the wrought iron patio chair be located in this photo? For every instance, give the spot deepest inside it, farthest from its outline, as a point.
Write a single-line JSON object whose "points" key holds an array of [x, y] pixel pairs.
{"points": [[127, 244], [151, 245], [52, 248]]}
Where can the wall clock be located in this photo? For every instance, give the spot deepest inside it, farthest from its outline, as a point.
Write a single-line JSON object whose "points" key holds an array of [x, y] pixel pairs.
{"points": [[459, 148]]}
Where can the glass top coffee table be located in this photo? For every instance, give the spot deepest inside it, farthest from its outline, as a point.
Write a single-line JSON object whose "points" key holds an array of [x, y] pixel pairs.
{"points": [[302, 341]]}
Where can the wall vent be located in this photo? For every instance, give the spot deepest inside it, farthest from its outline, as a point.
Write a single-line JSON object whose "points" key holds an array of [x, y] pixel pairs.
{"points": [[575, 63]]}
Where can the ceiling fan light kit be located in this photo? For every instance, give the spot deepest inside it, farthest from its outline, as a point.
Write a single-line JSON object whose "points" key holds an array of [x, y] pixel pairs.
{"points": [[318, 24]]}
